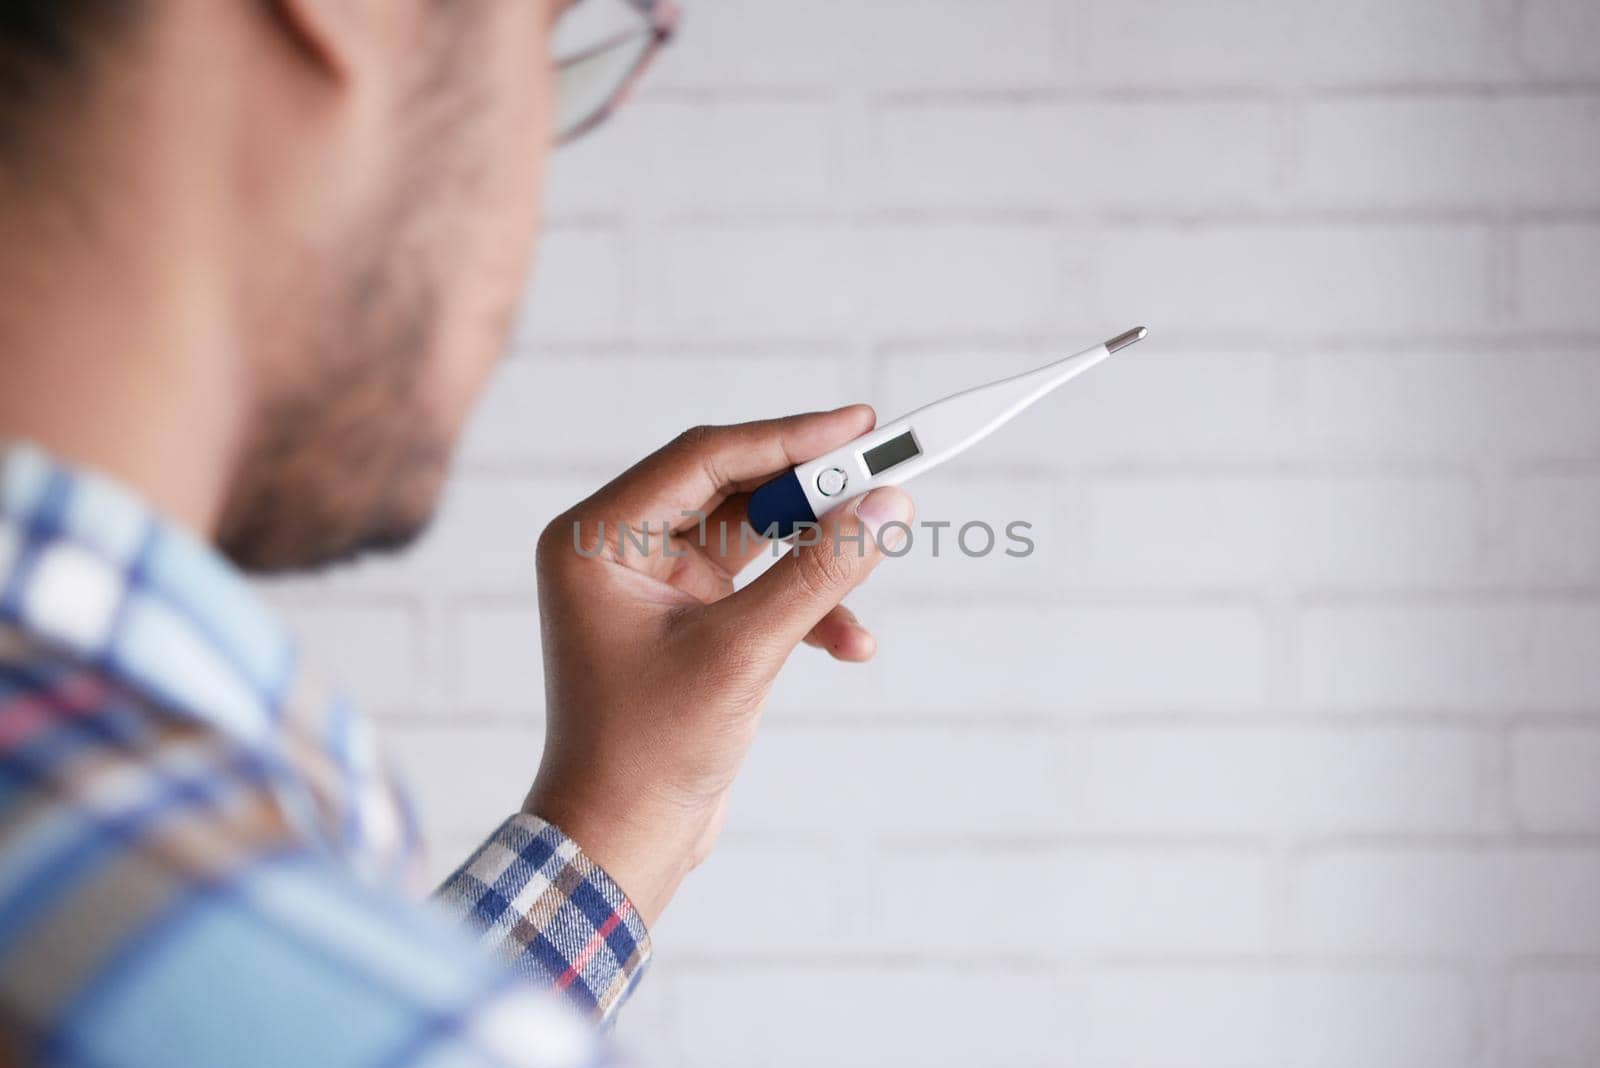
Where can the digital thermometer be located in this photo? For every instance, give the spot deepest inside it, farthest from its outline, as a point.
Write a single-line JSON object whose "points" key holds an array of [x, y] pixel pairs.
{"points": [[911, 444]]}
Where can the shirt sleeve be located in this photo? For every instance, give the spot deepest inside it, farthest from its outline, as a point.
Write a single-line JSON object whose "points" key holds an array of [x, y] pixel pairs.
{"points": [[552, 914]]}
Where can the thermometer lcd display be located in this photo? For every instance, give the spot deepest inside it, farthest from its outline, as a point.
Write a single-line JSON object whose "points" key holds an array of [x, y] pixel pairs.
{"points": [[880, 458]]}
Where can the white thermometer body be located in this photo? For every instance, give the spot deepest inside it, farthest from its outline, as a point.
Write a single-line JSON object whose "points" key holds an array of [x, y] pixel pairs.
{"points": [[910, 445]]}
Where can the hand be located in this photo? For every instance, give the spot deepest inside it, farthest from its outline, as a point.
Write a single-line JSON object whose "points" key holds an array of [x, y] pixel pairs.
{"points": [[655, 669]]}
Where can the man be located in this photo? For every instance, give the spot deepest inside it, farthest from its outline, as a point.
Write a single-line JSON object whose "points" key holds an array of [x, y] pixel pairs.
{"points": [[256, 260]]}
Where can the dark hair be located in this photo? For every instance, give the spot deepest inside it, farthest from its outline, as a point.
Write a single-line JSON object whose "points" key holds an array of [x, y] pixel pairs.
{"points": [[43, 53]]}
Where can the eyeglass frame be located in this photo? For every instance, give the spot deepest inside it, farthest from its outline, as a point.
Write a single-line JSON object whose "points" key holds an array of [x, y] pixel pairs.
{"points": [[662, 18]]}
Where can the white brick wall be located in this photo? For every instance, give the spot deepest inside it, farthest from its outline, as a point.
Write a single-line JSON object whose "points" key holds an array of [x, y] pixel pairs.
{"points": [[1552, 263], [1170, 152], [1290, 43], [1283, 748], [1555, 778]]}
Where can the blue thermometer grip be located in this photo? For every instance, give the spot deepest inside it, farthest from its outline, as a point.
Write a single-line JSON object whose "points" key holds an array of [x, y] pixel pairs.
{"points": [[780, 504]]}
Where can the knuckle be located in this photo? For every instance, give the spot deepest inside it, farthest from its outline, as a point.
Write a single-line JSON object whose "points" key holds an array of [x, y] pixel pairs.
{"points": [[696, 438], [557, 541], [552, 536], [820, 571], [701, 446]]}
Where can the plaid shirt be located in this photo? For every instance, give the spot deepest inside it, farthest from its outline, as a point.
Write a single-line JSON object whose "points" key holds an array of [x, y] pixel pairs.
{"points": [[200, 849]]}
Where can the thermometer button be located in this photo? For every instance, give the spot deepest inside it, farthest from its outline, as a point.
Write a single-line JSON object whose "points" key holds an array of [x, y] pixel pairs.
{"points": [[831, 482]]}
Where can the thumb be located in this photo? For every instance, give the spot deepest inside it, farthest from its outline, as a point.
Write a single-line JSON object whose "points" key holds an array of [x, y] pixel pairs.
{"points": [[793, 595]]}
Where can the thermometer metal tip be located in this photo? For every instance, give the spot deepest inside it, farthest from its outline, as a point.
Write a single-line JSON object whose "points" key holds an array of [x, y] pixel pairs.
{"points": [[1123, 340]]}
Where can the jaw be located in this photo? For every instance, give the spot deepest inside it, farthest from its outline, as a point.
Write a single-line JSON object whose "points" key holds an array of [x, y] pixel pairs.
{"points": [[306, 500]]}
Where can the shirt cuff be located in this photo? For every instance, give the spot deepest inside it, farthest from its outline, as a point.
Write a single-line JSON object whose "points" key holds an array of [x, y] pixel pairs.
{"points": [[552, 914]]}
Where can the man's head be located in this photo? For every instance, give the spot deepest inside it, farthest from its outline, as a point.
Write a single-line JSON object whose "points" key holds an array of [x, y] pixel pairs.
{"points": [[358, 181]]}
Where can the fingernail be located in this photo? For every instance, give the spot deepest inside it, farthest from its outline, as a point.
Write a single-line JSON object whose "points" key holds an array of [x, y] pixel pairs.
{"points": [[884, 506]]}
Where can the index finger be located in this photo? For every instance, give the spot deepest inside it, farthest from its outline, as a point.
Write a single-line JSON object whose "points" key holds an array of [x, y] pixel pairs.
{"points": [[701, 467]]}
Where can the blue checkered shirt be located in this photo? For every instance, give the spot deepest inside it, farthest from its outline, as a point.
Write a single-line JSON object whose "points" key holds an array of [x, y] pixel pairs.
{"points": [[203, 857]]}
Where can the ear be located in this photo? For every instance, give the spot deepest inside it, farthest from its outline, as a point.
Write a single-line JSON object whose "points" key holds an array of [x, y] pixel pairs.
{"points": [[334, 35]]}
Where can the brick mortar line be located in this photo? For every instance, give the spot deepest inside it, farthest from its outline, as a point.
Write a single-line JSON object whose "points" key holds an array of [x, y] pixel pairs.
{"points": [[886, 958], [665, 346], [436, 711], [1246, 212], [1156, 93], [1251, 598], [1258, 845]]}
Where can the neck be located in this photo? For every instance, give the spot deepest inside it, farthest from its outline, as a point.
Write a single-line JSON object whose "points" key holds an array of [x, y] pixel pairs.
{"points": [[118, 354]]}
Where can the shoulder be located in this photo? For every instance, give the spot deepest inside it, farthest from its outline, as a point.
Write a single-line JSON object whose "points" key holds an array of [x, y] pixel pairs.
{"points": [[159, 906]]}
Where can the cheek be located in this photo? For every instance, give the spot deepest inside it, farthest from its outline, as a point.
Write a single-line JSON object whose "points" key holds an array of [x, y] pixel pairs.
{"points": [[524, 112], [495, 234]]}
